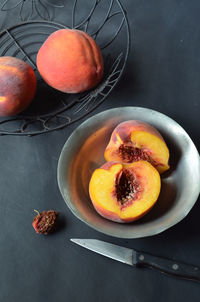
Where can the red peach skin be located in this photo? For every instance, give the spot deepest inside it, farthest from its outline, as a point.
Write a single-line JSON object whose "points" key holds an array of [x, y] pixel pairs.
{"points": [[17, 85], [70, 61]]}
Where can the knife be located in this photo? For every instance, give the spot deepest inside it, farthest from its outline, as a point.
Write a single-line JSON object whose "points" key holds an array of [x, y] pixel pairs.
{"points": [[141, 259]]}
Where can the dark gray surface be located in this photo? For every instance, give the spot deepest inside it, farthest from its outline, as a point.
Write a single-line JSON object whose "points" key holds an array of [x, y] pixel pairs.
{"points": [[163, 73]]}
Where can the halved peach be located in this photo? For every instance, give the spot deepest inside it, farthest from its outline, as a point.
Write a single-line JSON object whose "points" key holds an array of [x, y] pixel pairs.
{"points": [[135, 140], [124, 192]]}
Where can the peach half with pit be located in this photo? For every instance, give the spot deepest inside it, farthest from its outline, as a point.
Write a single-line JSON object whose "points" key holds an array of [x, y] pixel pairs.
{"points": [[136, 140], [124, 192]]}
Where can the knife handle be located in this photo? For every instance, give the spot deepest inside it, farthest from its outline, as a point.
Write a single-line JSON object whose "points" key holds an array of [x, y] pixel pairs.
{"points": [[170, 267]]}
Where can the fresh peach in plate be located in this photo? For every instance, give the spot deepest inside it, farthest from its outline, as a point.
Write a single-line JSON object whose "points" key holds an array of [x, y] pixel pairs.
{"points": [[124, 192], [136, 140]]}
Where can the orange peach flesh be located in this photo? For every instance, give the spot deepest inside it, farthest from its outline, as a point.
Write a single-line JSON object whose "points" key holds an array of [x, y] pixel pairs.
{"points": [[135, 140], [137, 200]]}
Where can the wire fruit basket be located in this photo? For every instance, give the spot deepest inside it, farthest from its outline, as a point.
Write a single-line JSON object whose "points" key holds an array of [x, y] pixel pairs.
{"points": [[51, 110]]}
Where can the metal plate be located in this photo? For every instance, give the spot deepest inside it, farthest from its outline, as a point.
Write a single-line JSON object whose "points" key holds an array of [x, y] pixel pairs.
{"points": [[83, 153]]}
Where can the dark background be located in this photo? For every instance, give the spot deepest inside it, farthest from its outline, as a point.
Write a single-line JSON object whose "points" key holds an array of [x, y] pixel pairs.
{"points": [[163, 73]]}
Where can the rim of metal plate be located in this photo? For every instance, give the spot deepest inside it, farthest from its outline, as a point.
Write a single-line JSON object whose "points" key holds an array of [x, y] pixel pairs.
{"points": [[81, 105]]}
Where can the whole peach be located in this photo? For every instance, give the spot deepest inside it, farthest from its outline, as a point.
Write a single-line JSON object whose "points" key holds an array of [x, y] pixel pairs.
{"points": [[17, 85], [70, 61]]}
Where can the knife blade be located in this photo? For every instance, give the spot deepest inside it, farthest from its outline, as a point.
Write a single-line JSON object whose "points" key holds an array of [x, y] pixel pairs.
{"points": [[141, 259]]}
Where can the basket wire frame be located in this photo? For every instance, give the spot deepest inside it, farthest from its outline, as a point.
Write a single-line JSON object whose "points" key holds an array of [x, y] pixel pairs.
{"points": [[41, 7], [69, 108]]}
